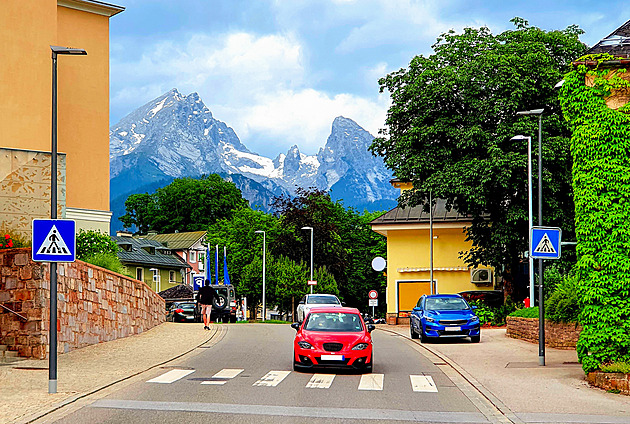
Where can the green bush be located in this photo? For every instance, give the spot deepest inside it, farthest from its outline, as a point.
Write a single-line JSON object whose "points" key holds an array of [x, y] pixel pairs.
{"points": [[105, 260], [562, 305], [525, 313], [90, 242], [623, 367], [483, 312]]}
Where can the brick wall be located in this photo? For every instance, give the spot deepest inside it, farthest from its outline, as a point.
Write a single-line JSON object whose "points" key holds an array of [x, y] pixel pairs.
{"points": [[94, 305], [558, 335]]}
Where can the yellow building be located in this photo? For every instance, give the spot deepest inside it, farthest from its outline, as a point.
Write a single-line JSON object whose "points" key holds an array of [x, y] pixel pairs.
{"points": [[409, 256], [28, 29]]}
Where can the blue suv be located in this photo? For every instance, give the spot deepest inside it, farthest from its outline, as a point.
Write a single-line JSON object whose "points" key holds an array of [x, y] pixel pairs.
{"points": [[444, 315]]}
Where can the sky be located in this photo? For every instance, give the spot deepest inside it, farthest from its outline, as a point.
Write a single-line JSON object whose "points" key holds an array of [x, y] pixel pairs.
{"points": [[279, 71]]}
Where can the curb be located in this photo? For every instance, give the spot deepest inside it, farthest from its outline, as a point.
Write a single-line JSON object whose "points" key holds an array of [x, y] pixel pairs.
{"points": [[480, 388], [38, 415]]}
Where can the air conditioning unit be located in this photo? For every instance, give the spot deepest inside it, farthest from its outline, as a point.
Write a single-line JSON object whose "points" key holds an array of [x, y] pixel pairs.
{"points": [[481, 276]]}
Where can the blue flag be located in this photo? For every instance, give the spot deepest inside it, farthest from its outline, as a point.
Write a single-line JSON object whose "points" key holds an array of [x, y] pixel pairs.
{"points": [[226, 275], [208, 263], [216, 265]]}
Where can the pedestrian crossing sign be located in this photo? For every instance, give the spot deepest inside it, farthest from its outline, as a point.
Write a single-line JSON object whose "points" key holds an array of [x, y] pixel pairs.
{"points": [[54, 240], [545, 242]]}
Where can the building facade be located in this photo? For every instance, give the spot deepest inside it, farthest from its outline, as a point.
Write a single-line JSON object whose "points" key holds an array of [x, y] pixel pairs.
{"points": [[28, 29]]}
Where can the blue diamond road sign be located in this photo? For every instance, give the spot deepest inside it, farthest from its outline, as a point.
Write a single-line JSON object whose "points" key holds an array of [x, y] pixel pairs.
{"points": [[54, 240], [545, 243]]}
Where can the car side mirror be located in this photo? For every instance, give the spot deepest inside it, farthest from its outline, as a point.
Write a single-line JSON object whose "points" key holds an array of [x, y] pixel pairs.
{"points": [[343, 303], [417, 309], [370, 328], [301, 302], [296, 326], [473, 307]]}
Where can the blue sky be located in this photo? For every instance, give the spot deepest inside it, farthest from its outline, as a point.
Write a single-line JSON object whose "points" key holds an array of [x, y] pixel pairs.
{"points": [[280, 71]]}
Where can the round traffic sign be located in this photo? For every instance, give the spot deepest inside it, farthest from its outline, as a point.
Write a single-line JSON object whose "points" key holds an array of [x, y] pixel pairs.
{"points": [[373, 294], [378, 264]]}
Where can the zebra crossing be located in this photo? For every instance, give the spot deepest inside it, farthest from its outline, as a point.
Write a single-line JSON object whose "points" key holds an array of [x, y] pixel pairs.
{"points": [[372, 381]]}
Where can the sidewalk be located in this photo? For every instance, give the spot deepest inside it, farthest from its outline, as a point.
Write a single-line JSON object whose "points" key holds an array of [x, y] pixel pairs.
{"points": [[506, 371], [24, 386]]}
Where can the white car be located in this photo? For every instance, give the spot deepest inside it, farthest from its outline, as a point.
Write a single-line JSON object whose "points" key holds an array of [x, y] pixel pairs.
{"points": [[316, 300]]}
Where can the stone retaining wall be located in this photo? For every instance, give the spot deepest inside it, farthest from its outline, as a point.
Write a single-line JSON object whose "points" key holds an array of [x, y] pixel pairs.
{"points": [[611, 381], [557, 335], [94, 305]]}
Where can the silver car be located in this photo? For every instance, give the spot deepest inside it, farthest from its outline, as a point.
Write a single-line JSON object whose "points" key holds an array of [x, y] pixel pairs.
{"points": [[315, 300]]}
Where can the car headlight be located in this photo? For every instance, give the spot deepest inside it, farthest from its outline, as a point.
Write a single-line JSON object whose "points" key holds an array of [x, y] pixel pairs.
{"points": [[429, 319], [305, 345], [474, 318], [360, 346]]}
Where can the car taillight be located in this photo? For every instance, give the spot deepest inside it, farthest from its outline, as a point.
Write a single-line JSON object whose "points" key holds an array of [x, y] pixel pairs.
{"points": [[233, 304], [179, 311]]}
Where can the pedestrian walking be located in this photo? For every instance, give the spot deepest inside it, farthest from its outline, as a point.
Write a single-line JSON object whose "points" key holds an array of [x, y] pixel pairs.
{"points": [[205, 296]]}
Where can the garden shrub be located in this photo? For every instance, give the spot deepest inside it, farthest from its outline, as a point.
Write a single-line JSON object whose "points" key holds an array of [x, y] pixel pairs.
{"points": [[525, 313], [623, 367], [600, 147], [90, 242], [105, 260], [562, 305]]}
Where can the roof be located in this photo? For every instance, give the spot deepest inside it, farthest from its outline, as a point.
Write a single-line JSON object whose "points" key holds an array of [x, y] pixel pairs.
{"points": [[616, 44], [177, 241], [335, 309], [443, 295], [138, 256], [415, 214], [93, 6], [180, 291]]}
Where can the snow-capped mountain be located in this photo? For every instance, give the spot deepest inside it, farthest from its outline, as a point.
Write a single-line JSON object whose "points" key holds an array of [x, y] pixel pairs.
{"points": [[175, 136]]}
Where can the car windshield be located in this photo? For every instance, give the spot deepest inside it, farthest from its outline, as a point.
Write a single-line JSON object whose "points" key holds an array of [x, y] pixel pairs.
{"points": [[323, 300], [333, 321], [185, 306], [446, 304]]}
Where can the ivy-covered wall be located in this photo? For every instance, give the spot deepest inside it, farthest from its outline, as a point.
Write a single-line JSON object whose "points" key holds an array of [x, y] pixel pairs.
{"points": [[600, 147]]}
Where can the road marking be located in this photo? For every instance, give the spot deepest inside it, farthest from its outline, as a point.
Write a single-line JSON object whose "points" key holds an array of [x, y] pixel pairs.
{"points": [[272, 378], [223, 376], [171, 376], [320, 381], [423, 383], [371, 382]]}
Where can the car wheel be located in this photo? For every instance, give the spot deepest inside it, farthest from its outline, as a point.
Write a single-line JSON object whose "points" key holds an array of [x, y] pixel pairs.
{"points": [[475, 339], [295, 363], [412, 332], [369, 367], [232, 319], [219, 302]]}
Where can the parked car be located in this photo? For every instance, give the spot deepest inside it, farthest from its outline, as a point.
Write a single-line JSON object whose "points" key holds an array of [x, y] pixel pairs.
{"points": [[333, 337], [492, 298], [444, 315], [223, 307], [182, 312], [315, 300]]}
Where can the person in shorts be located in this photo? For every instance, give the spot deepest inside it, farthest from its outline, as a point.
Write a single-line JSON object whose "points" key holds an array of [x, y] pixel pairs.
{"points": [[205, 296]]}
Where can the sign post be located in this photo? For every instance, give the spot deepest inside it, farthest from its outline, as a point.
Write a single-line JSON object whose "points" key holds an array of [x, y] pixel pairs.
{"points": [[54, 240], [373, 300], [545, 244]]}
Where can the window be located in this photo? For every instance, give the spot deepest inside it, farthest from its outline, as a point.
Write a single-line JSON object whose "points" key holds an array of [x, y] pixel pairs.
{"points": [[171, 276], [193, 256], [140, 274]]}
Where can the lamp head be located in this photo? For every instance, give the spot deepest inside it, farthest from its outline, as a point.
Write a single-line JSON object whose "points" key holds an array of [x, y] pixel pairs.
{"points": [[531, 112], [67, 50], [259, 231], [519, 137], [307, 228]]}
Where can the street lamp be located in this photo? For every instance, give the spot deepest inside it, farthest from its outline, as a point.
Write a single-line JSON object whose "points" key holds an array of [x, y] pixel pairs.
{"points": [[541, 307], [264, 261], [52, 357], [310, 228]]}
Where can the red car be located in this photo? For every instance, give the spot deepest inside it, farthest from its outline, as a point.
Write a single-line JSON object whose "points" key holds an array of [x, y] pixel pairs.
{"points": [[333, 337]]}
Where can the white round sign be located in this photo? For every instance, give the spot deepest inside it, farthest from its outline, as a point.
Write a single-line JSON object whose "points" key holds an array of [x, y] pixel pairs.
{"points": [[373, 294], [378, 264]]}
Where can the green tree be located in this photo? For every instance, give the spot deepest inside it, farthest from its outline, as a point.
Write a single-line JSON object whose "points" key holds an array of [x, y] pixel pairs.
{"points": [[91, 242], [450, 125], [187, 204]]}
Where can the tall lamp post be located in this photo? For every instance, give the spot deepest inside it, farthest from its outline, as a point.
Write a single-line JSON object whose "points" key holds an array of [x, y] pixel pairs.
{"points": [[52, 330], [541, 300], [310, 228], [264, 264]]}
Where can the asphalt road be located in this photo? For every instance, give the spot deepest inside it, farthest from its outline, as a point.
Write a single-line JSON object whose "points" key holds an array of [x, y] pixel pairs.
{"points": [[256, 384]]}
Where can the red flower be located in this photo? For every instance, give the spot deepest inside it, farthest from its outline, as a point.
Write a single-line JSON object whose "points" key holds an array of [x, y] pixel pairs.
{"points": [[10, 243], [6, 236]]}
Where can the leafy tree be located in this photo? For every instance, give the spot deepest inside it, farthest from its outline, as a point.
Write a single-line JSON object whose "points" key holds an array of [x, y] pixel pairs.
{"points": [[187, 204], [91, 242], [289, 279], [450, 126]]}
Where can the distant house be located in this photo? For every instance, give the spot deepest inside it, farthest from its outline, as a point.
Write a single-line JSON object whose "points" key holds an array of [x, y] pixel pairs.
{"points": [[187, 246], [150, 261], [616, 44], [409, 252]]}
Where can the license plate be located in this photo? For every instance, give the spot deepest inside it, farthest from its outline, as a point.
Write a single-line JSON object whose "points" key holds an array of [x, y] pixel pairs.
{"points": [[452, 328], [332, 357]]}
